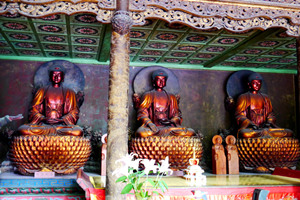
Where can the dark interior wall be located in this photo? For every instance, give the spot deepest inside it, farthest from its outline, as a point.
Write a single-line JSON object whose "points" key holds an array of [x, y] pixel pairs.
{"points": [[202, 96], [16, 85], [203, 93]]}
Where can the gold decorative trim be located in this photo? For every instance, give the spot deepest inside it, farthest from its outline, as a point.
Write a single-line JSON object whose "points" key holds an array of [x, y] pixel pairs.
{"points": [[68, 8], [204, 23], [236, 17]]}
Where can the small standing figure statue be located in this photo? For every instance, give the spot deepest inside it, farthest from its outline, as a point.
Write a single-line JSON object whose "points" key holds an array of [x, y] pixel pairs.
{"points": [[232, 155], [218, 156]]}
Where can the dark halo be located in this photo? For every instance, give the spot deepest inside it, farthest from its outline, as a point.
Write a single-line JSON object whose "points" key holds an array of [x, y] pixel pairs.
{"points": [[74, 77], [142, 81], [237, 84]]}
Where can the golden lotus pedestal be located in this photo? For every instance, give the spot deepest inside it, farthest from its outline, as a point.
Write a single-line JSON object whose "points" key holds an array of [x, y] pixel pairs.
{"points": [[264, 154], [59, 154], [179, 149]]}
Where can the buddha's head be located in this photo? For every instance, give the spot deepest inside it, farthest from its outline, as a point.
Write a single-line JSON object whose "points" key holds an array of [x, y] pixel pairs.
{"points": [[255, 82], [159, 78], [56, 75]]}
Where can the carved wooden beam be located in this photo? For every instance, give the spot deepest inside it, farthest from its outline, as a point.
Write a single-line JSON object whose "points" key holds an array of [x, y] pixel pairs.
{"points": [[233, 15]]}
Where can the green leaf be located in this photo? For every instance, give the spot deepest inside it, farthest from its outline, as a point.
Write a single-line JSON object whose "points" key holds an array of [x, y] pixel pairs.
{"points": [[127, 189], [165, 184], [162, 187], [142, 174], [157, 193], [121, 179], [151, 182], [140, 186]]}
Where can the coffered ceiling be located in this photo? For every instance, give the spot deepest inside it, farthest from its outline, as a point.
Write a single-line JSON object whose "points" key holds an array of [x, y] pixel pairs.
{"points": [[81, 38]]}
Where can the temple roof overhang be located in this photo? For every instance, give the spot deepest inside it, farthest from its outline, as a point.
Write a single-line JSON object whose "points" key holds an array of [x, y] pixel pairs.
{"points": [[189, 34]]}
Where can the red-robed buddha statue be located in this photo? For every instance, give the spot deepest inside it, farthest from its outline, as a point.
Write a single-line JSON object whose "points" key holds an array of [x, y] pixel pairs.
{"points": [[254, 113], [159, 111], [54, 109]]}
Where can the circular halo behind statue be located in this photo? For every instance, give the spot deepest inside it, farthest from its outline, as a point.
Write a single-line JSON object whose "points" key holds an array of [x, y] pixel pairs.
{"points": [[74, 78], [237, 84], [143, 82]]}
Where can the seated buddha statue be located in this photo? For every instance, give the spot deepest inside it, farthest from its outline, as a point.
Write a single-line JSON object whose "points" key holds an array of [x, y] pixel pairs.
{"points": [[158, 111], [54, 109], [254, 113]]}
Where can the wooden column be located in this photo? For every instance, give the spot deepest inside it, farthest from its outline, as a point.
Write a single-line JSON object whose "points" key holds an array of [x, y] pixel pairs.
{"points": [[297, 87], [117, 143]]}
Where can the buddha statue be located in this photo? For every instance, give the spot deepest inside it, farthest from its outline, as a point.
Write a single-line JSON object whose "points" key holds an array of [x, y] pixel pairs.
{"points": [[159, 111], [51, 141], [254, 113], [160, 133], [54, 109], [261, 144]]}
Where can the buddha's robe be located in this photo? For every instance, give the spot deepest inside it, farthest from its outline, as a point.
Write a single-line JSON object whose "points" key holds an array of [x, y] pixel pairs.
{"points": [[256, 110], [53, 103], [157, 107]]}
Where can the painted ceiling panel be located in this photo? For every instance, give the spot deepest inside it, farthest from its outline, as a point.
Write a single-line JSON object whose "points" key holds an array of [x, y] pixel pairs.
{"points": [[81, 36]]}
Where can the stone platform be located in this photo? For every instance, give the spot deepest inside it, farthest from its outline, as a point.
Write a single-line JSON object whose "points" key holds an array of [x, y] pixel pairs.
{"points": [[14, 186]]}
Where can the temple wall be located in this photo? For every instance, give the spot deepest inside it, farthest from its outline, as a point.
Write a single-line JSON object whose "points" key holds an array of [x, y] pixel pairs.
{"points": [[202, 96]]}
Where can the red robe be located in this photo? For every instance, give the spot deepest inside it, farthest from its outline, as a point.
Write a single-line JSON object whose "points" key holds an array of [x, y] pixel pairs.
{"points": [[69, 111]]}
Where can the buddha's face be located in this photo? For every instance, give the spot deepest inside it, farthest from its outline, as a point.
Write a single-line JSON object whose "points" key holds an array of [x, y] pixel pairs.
{"points": [[255, 85], [56, 77], [160, 82]]}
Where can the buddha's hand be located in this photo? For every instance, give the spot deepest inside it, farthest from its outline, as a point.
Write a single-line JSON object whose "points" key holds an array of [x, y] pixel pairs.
{"points": [[54, 121], [253, 126], [270, 125], [153, 127], [166, 122]]}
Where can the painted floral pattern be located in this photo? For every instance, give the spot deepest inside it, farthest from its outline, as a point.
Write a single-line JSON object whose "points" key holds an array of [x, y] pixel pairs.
{"points": [[58, 54], [134, 43], [215, 49], [188, 48], [20, 36], [195, 61], [86, 31], [137, 34], [53, 38], [172, 60], [30, 52], [85, 49], [269, 43], [147, 59], [158, 45], [167, 36], [86, 18], [50, 28], [179, 54], [197, 38], [55, 47], [85, 41], [15, 26], [228, 40], [152, 53], [252, 51], [84, 56], [25, 45], [51, 18]]}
